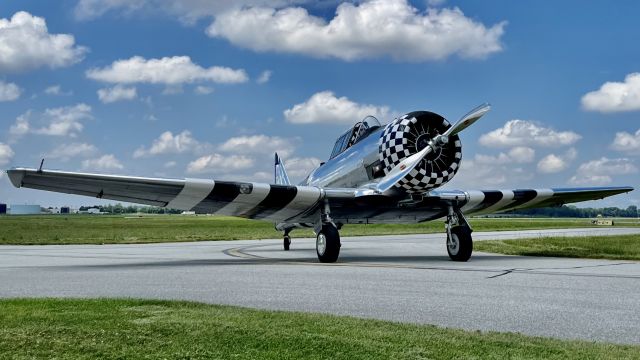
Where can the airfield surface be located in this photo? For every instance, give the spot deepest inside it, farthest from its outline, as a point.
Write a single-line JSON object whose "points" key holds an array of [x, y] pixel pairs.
{"points": [[406, 278]]}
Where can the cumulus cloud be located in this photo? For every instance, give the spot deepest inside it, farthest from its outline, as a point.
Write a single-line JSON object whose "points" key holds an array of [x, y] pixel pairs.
{"points": [[517, 155], [627, 142], [258, 145], [376, 28], [527, 133], [6, 154], [187, 11], [553, 163], [217, 163], [103, 163], [62, 121], [172, 71], [57, 91], [600, 171], [615, 96], [25, 44], [325, 107], [9, 91], [117, 93], [203, 90], [168, 143], [264, 77], [65, 152]]}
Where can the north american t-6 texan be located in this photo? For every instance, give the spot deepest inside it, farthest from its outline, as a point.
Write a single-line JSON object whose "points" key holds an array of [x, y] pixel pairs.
{"points": [[375, 174]]}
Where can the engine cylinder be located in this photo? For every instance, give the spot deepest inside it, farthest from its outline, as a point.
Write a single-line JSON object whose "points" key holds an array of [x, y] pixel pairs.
{"points": [[411, 133]]}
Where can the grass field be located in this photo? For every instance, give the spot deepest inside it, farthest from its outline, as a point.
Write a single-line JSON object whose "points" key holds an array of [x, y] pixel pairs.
{"points": [[622, 247], [147, 329], [100, 229]]}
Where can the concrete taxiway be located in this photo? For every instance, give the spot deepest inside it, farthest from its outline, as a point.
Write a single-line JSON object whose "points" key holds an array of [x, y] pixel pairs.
{"points": [[406, 278]]}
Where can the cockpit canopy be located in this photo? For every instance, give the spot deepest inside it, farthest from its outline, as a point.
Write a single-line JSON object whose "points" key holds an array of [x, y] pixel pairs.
{"points": [[358, 132]]}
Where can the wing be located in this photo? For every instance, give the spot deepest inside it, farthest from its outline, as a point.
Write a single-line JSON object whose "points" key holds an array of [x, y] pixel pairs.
{"points": [[245, 199], [492, 201]]}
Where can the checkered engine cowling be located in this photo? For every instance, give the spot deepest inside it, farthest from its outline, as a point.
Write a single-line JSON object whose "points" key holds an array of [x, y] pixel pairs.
{"points": [[409, 134]]}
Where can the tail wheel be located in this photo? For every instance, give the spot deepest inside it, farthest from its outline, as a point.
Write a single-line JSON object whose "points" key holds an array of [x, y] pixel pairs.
{"points": [[328, 244], [460, 244], [287, 242]]}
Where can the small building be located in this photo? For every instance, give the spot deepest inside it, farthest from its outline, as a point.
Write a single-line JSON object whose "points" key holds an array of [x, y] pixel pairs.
{"points": [[24, 209], [3, 209], [65, 210]]}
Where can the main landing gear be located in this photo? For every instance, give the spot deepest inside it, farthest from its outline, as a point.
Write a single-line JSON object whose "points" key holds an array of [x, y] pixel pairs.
{"points": [[327, 238], [459, 242]]}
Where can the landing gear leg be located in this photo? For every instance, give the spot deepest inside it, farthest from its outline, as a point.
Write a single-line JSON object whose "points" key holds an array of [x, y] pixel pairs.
{"points": [[286, 241], [328, 238], [459, 241]]}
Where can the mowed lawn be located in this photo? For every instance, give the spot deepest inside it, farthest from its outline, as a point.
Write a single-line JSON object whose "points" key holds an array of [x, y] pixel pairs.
{"points": [[101, 229], [620, 247], [149, 329]]}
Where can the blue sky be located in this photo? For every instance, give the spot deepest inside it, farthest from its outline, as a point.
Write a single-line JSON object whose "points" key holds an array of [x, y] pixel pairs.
{"points": [[211, 88]]}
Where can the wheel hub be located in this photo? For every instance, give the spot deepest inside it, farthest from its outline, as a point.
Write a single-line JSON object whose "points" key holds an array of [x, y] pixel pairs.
{"points": [[453, 244], [321, 243]]}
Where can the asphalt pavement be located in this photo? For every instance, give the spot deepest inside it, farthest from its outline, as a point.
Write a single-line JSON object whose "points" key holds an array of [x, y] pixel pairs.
{"points": [[406, 278]]}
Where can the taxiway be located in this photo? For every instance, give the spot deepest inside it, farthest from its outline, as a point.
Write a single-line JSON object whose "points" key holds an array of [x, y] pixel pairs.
{"points": [[406, 278]]}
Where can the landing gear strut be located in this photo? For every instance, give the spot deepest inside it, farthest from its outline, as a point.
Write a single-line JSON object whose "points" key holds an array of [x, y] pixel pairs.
{"points": [[328, 238], [459, 241]]}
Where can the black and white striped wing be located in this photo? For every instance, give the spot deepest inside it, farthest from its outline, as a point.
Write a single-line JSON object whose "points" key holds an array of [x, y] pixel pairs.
{"points": [[493, 201], [244, 199]]}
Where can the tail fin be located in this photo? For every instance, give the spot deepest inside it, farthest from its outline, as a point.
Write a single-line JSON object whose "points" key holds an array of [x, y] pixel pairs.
{"points": [[281, 177]]}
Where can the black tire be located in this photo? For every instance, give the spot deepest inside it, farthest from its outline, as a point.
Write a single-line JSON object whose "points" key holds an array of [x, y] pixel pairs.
{"points": [[330, 250], [286, 242], [462, 246]]}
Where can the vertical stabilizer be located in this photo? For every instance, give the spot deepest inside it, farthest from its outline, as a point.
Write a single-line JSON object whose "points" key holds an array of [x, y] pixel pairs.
{"points": [[281, 177]]}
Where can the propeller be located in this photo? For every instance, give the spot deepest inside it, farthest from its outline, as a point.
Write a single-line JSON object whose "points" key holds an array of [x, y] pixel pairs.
{"points": [[405, 166]]}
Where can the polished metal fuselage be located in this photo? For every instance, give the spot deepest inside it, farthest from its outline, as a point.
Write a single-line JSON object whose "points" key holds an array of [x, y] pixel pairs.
{"points": [[348, 169]]}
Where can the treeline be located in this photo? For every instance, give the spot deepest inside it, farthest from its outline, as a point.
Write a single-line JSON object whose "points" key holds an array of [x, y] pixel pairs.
{"points": [[130, 209], [572, 211]]}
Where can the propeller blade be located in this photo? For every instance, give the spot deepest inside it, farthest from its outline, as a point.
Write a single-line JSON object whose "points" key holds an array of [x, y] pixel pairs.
{"points": [[401, 170], [467, 120]]}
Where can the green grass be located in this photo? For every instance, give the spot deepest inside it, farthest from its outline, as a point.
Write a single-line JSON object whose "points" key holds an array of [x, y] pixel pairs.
{"points": [[147, 329], [100, 229], [619, 247]]}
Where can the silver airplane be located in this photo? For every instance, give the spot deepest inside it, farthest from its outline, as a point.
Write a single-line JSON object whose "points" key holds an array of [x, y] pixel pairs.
{"points": [[375, 174]]}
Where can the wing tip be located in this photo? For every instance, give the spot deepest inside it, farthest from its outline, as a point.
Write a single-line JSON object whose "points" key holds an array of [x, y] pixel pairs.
{"points": [[16, 175]]}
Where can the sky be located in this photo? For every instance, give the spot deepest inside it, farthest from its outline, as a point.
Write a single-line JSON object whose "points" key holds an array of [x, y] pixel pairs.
{"points": [[211, 89]]}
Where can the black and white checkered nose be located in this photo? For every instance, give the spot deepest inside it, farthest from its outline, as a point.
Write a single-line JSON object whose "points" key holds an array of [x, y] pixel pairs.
{"points": [[411, 133]]}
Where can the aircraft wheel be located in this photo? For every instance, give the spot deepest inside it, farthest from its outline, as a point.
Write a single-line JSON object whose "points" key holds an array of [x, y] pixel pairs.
{"points": [[328, 244], [287, 242], [460, 245]]}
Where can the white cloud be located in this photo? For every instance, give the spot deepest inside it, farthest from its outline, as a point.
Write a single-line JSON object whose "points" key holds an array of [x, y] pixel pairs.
{"points": [[62, 121], [65, 121], [9, 91], [600, 171], [21, 126], [103, 163], [68, 151], [174, 70], [168, 143], [259, 144], [527, 133], [25, 43], [264, 77], [203, 90], [371, 29], [6, 154], [517, 155], [57, 91], [325, 107], [170, 164], [117, 93], [615, 96], [187, 11], [553, 163], [217, 163], [627, 142]]}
